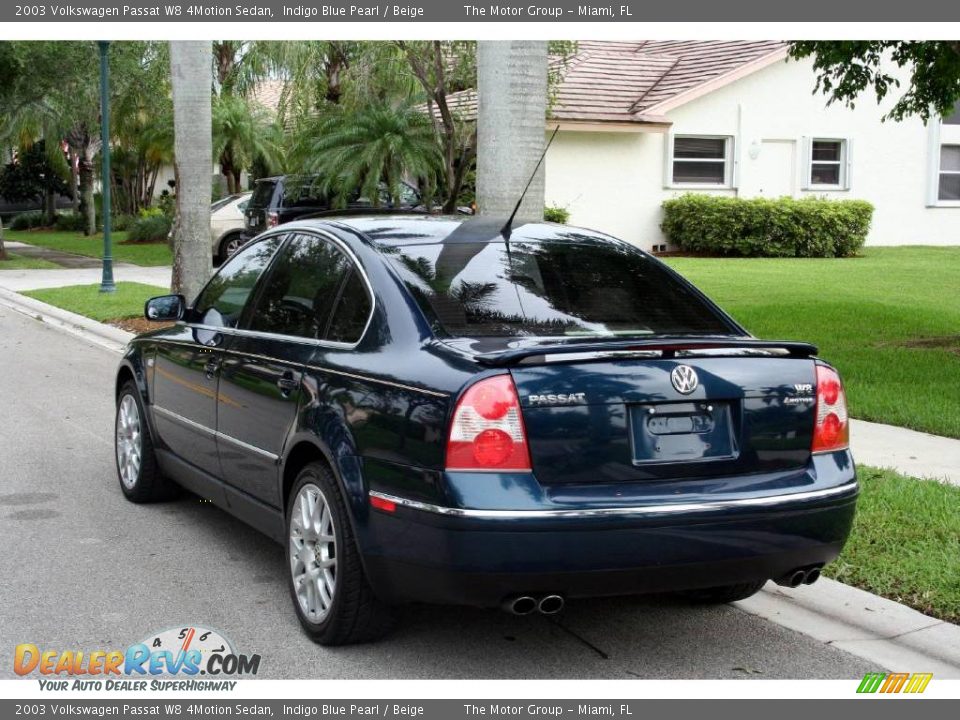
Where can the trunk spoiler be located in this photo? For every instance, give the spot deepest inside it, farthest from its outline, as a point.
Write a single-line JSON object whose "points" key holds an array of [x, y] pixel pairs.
{"points": [[668, 347]]}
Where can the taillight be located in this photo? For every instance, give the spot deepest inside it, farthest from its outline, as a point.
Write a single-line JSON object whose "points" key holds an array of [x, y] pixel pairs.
{"points": [[487, 429], [831, 430], [273, 219]]}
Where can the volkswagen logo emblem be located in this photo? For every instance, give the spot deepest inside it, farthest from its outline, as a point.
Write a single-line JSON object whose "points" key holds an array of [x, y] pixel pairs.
{"points": [[684, 379]]}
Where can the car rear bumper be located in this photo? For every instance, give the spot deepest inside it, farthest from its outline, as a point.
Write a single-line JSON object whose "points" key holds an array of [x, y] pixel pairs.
{"points": [[480, 556]]}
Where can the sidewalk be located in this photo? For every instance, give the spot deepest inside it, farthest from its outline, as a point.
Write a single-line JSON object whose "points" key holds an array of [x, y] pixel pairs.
{"points": [[77, 270], [907, 451]]}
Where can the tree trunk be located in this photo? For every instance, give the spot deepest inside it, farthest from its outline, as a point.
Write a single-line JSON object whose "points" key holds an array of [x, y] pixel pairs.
{"points": [[511, 120], [86, 196], [191, 64], [3, 250], [74, 181], [50, 206]]}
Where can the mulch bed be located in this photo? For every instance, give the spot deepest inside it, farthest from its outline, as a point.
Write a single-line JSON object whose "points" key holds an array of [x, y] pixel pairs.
{"points": [[137, 325]]}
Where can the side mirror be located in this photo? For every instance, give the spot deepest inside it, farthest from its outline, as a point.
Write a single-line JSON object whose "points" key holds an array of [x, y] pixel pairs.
{"points": [[165, 308]]}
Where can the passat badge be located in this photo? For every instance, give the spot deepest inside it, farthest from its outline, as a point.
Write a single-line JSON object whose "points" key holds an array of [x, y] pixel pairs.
{"points": [[684, 379]]}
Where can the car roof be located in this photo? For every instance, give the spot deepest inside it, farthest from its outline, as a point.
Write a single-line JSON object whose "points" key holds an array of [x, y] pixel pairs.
{"points": [[393, 231]]}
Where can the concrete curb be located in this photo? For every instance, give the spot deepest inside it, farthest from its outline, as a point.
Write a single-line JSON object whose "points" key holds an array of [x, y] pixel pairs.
{"points": [[892, 635], [92, 331], [878, 630]]}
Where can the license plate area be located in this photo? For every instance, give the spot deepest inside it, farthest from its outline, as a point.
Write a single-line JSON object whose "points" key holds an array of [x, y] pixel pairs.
{"points": [[682, 432]]}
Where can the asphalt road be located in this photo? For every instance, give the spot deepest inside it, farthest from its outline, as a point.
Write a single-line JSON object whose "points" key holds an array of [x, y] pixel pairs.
{"points": [[81, 568]]}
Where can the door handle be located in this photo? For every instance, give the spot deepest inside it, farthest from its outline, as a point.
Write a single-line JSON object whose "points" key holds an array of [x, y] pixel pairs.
{"points": [[287, 384], [210, 369]]}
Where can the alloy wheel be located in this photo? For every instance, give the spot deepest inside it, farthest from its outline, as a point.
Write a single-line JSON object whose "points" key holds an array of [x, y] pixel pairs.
{"points": [[313, 556], [129, 441]]}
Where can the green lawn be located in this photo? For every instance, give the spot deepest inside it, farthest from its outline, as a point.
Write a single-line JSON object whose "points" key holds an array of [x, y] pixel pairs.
{"points": [[872, 316], [902, 553], [21, 262], [136, 253], [87, 300]]}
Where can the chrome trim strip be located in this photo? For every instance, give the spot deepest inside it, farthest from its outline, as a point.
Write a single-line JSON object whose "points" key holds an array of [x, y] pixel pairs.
{"points": [[247, 446], [618, 512], [184, 421], [367, 378]]}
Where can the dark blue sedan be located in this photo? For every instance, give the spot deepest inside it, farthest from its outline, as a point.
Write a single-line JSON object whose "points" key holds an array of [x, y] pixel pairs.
{"points": [[429, 409]]}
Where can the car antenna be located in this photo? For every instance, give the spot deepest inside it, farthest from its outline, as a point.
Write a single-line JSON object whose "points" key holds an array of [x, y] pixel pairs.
{"points": [[507, 229]]}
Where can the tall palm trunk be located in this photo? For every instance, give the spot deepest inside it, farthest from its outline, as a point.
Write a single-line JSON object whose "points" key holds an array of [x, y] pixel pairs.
{"points": [[511, 118], [191, 65], [3, 250]]}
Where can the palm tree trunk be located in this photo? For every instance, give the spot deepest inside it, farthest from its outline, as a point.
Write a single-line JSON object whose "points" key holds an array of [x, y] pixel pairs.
{"points": [[511, 119], [3, 250], [191, 64], [86, 196]]}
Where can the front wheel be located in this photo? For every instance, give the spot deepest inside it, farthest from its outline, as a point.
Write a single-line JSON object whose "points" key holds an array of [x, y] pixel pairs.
{"points": [[724, 593], [332, 598], [137, 469]]}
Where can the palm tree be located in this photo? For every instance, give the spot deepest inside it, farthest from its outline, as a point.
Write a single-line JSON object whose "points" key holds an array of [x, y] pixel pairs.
{"points": [[190, 71], [359, 149], [511, 115], [242, 131]]}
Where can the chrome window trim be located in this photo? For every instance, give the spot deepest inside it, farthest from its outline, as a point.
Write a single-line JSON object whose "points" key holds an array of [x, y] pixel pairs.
{"points": [[620, 512]]}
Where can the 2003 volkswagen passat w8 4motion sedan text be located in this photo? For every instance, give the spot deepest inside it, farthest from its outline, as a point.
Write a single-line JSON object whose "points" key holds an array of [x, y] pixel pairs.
{"points": [[437, 409]]}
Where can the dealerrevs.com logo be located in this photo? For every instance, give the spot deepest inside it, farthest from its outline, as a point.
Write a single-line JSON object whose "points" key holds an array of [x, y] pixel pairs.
{"points": [[154, 664]]}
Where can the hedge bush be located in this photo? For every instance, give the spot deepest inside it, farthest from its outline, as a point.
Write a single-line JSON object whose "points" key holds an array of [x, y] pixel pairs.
{"points": [[71, 222], [150, 228], [556, 214], [760, 227], [28, 220]]}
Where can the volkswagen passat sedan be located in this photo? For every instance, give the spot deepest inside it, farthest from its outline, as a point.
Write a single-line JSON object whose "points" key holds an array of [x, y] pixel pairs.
{"points": [[419, 409]]}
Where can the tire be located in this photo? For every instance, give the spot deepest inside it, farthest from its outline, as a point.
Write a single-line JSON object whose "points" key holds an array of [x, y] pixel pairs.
{"points": [[137, 470], [336, 606], [724, 593], [229, 244]]}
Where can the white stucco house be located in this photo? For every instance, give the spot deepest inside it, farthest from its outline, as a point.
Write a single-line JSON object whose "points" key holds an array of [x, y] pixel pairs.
{"points": [[641, 122]]}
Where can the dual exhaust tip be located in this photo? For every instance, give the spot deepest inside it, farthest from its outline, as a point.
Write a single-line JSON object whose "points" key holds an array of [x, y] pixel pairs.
{"points": [[800, 576], [526, 604]]}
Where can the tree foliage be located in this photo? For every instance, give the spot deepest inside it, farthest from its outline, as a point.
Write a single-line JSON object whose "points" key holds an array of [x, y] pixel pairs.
{"points": [[845, 69]]}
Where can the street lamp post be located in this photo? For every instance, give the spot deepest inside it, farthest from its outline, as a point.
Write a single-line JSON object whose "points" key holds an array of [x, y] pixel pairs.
{"points": [[106, 283]]}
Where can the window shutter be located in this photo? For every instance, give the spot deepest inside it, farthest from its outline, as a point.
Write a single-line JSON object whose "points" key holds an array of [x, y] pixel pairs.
{"points": [[668, 160], [848, 161], [806, 150]]}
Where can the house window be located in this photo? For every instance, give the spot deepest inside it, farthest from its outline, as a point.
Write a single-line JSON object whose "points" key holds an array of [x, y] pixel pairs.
{"points": [[949, 173], [827, 163], [699, 160]]}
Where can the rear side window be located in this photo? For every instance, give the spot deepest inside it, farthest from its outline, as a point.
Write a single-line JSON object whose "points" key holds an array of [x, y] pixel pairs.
{"points": [[302, 288], [550, 288], [302, 192], [352, 311]]}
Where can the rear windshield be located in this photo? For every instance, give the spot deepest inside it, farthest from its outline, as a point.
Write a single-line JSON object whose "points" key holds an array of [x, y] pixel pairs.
{"points": [[262, 194], [550, 289]]}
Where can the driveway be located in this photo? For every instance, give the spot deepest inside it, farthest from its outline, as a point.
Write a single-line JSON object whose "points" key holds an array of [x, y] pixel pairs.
{"points": [[84, 569]]}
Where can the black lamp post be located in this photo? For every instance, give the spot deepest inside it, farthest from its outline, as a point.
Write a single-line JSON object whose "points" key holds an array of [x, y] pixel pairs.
{"points": [[106, 283]]}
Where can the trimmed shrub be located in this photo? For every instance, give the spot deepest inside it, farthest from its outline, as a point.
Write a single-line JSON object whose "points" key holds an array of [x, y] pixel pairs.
{"points": [[70, 222], [27, 220], [557, 214], [760, 227], [122, 222], [150, 228]]}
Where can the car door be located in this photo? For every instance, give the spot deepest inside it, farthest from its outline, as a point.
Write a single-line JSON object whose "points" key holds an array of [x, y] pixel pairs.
{"points": [[260, 385], [187, 370]]}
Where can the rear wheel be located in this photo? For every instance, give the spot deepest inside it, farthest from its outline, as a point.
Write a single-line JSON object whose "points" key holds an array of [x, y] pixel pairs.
{"points": [[137, 469], [332, 598], [229, 245], [724, 593]]}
